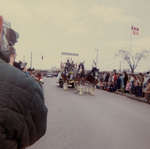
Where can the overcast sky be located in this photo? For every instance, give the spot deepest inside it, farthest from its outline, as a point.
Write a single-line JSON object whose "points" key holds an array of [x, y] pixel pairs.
{"points": [[48, 27]]}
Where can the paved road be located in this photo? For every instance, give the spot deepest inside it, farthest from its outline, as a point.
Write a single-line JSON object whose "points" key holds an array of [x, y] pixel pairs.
{"points": [[103, 121]]}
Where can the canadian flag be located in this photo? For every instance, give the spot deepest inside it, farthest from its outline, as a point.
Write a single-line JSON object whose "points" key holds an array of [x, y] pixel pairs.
{"points": [[135, 30]]}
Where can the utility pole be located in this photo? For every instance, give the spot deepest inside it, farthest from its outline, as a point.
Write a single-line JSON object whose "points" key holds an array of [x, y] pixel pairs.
{"points": [[120, 66], [97, 57], [24, 58], [31, 60]]}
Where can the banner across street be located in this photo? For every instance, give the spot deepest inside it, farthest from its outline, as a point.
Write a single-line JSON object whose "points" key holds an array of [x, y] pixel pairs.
{"points": [[70, 54]]}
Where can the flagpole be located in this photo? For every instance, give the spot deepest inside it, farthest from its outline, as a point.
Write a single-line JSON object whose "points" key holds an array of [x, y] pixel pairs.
{"points": [[131, 38], [134, 31], [120, 66], [131, 43], [42, 61]]}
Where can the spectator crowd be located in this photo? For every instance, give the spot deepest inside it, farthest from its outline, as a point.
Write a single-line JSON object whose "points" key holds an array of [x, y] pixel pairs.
{"points": [[37, 75], [135, 84]]}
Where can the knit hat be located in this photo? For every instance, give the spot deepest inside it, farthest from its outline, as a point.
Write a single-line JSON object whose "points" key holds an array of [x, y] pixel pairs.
{"points": [[8, 38]]}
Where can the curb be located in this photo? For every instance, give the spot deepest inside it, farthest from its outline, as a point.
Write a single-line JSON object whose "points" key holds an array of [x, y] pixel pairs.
{"points": [[140, 99]]}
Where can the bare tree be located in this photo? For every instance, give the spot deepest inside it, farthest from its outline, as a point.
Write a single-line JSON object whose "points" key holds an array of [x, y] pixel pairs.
{"points": [[133, 60]]}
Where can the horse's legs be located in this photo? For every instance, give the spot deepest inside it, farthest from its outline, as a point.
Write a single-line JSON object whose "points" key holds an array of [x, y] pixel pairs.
{"points": [[80, 89], [86, 87], [65, 85], [76, 87], [91, 89]]}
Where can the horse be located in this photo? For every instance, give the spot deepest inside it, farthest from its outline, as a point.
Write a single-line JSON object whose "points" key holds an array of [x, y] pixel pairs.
{"points": [[86, 80], [91, 80], [79, 75]]}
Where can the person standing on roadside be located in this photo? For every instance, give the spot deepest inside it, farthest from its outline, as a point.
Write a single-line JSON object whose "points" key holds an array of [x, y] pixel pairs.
{"points": [[125, 79], [147, 91], [23, 113]]}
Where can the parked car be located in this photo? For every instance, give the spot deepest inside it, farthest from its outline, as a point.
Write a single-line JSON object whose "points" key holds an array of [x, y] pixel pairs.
{"points": [[55, 74], [49, 75]]}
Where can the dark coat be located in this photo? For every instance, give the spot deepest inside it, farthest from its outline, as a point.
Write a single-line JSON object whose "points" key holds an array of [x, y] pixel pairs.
{"points": [[125, 80], [118, 83], [23, 114]]}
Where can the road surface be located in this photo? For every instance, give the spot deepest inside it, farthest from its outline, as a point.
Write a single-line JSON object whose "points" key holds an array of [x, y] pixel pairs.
{"points": [[103, 121]]}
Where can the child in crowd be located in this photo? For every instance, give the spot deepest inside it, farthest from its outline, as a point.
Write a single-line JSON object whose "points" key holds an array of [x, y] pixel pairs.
{"points": [[128, 87]]}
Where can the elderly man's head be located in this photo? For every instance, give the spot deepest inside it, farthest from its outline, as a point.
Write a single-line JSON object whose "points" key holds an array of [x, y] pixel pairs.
{"points": [[8, 38]]}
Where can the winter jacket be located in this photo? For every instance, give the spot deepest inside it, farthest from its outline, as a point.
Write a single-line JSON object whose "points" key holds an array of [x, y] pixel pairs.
{"points": [[23, 114]]}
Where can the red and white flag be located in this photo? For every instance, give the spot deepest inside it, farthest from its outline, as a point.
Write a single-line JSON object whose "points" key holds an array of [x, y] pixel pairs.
{"points": [[135, 30]]}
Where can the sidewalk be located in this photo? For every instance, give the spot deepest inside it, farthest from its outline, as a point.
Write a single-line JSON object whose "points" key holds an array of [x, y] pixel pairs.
{"points": [[133, 97]]}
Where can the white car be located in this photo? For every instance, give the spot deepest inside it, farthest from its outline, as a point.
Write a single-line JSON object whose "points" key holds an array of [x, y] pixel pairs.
{"points": [[49, 75]]}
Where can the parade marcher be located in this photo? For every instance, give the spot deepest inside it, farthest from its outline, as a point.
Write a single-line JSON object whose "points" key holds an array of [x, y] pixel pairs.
{"points": [[81, 70], [23, 114], [67, 66]]}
